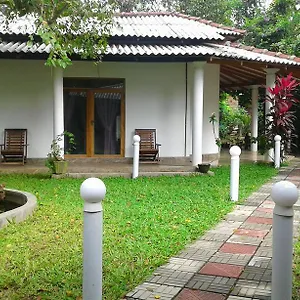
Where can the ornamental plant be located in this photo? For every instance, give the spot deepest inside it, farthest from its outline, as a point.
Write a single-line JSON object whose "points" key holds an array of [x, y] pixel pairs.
{"points": [[280, 119], [57, 152]]}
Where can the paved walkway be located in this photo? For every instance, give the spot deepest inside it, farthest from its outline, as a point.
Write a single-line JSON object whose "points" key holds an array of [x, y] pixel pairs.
{"points": [[232, 261]]}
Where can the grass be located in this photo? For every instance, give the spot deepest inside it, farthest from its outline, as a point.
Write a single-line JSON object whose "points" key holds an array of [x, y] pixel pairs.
{"points": [[296, 272], [145, 222]]}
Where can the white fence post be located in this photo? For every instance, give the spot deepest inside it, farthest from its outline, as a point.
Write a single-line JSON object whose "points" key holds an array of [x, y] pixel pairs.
{"points": [[235, 152], [136, 156], [277, 139], [92, 191], [285, 195]]}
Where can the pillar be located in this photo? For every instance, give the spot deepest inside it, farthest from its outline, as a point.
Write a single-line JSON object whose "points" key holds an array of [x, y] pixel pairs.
{"points": [[197, 113], [254, 118]]}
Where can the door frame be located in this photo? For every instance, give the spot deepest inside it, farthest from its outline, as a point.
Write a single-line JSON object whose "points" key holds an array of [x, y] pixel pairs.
{"points": [[90, 113]]}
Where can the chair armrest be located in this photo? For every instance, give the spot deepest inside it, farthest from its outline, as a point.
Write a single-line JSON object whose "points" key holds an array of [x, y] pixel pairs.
{"points": [[158, 145]]}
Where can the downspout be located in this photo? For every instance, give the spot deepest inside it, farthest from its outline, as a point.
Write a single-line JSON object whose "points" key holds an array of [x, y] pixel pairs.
{"points": [[186, 106]]}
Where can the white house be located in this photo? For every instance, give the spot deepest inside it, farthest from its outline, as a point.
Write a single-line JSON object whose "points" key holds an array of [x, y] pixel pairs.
{"points": [[160, 70]]}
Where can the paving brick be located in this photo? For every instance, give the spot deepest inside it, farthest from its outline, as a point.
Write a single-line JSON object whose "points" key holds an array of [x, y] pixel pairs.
{"points": [[265, 210], [256, 274], [242, 239], [211, 236], [217, 284], [226, 227], [230, 258], [261, 262], [264, 251], [239, 298], [167, 276], [238, 248], [252, 233], [150, 290], [259, 220], [238, 215], [256, 226], [206, 244], [223, 270], [184, 265], [255, 289], [196, 254], [188, 294], [263, 214]]}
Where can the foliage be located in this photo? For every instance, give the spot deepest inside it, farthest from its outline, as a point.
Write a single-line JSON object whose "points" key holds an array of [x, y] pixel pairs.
{"points": [[276, 29], [146, 221], [234, 123], [73, 27], [280, 119], [57, 151]]}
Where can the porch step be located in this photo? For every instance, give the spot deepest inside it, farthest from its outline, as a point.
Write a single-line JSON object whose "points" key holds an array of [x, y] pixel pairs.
{"points": [[128, 175]]}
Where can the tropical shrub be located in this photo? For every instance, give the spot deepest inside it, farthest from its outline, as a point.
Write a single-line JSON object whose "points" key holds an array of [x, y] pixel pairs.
{"points": [[280, 119]]}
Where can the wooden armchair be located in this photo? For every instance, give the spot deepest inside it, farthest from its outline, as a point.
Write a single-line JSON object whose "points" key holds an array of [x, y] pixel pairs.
{"points": [[149, 149], [15, 145]]}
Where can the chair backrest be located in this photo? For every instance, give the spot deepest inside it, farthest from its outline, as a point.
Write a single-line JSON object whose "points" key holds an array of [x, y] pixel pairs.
{"points": [[15, 139], [148, 138]]}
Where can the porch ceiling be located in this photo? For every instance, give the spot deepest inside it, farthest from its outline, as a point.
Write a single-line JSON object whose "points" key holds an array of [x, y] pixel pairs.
{"points": [[240, 74]]}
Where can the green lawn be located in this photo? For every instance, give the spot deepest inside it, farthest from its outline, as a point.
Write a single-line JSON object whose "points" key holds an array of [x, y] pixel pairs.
{"points": [[146, 221]]}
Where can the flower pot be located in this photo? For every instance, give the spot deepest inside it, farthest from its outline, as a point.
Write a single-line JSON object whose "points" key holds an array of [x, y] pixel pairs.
{"points": [[61, 166], [203, 168]]}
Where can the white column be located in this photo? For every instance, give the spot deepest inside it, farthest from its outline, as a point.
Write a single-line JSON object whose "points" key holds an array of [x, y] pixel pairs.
{"points": [[197, 113], [254, 119], [270, 83], [58, 103]]}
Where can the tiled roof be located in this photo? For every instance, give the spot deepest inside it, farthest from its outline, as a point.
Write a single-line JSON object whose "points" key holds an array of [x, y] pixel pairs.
{"points": [[204, 50], [169, 25], [157, 34], [159, 25]]}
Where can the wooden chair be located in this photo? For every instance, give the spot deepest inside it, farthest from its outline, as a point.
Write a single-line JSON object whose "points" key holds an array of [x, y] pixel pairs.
{"points": [[15, 145], [149, 149]]}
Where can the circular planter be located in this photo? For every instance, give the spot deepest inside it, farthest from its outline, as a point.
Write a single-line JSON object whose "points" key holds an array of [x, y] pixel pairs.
{"points": [[203, 168], [26, 203]]}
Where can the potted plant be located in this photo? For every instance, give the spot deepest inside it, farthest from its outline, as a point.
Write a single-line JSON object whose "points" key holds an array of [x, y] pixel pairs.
{"points": [[55, 158]]}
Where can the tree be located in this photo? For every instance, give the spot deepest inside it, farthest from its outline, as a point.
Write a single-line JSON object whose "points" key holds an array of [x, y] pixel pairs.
{"points": [[71, 27], [277, 29]]}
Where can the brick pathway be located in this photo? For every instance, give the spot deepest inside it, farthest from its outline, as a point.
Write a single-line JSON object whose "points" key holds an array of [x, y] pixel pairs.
{"points": [[232, 261]]}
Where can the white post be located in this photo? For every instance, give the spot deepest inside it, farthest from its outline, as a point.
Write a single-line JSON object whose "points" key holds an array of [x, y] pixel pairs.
{"points": [[58, 104], [270, 83], [235, 152], [285, 195], [136, 156], [197, 111], [254, 118], [92, 191], [277, 151]]}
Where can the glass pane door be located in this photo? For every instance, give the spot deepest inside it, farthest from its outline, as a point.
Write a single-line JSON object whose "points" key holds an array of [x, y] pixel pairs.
{"points": [[107, 122], [75, 106]]}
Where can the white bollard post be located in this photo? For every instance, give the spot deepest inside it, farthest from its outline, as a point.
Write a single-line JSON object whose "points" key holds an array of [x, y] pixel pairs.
{"points": [[235, 152], [136, 156], [285, 195], [92, 191], [277, 139]]}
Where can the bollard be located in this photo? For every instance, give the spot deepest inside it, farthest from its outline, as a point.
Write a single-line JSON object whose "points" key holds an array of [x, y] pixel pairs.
{"points": [[285, 195], [277, 139], [92, 191], [136, 156], [235, 152]]}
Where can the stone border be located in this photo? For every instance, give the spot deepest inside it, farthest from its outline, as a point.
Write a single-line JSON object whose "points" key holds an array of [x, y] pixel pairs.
{"points": [[19, 214]]}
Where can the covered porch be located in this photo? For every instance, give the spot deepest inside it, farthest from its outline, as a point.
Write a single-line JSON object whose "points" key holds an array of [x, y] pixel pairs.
{"points": [[113, 167]]}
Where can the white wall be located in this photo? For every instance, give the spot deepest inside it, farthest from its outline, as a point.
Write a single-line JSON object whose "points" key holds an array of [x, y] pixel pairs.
{"points": [[26, 102], [154, 98]]}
